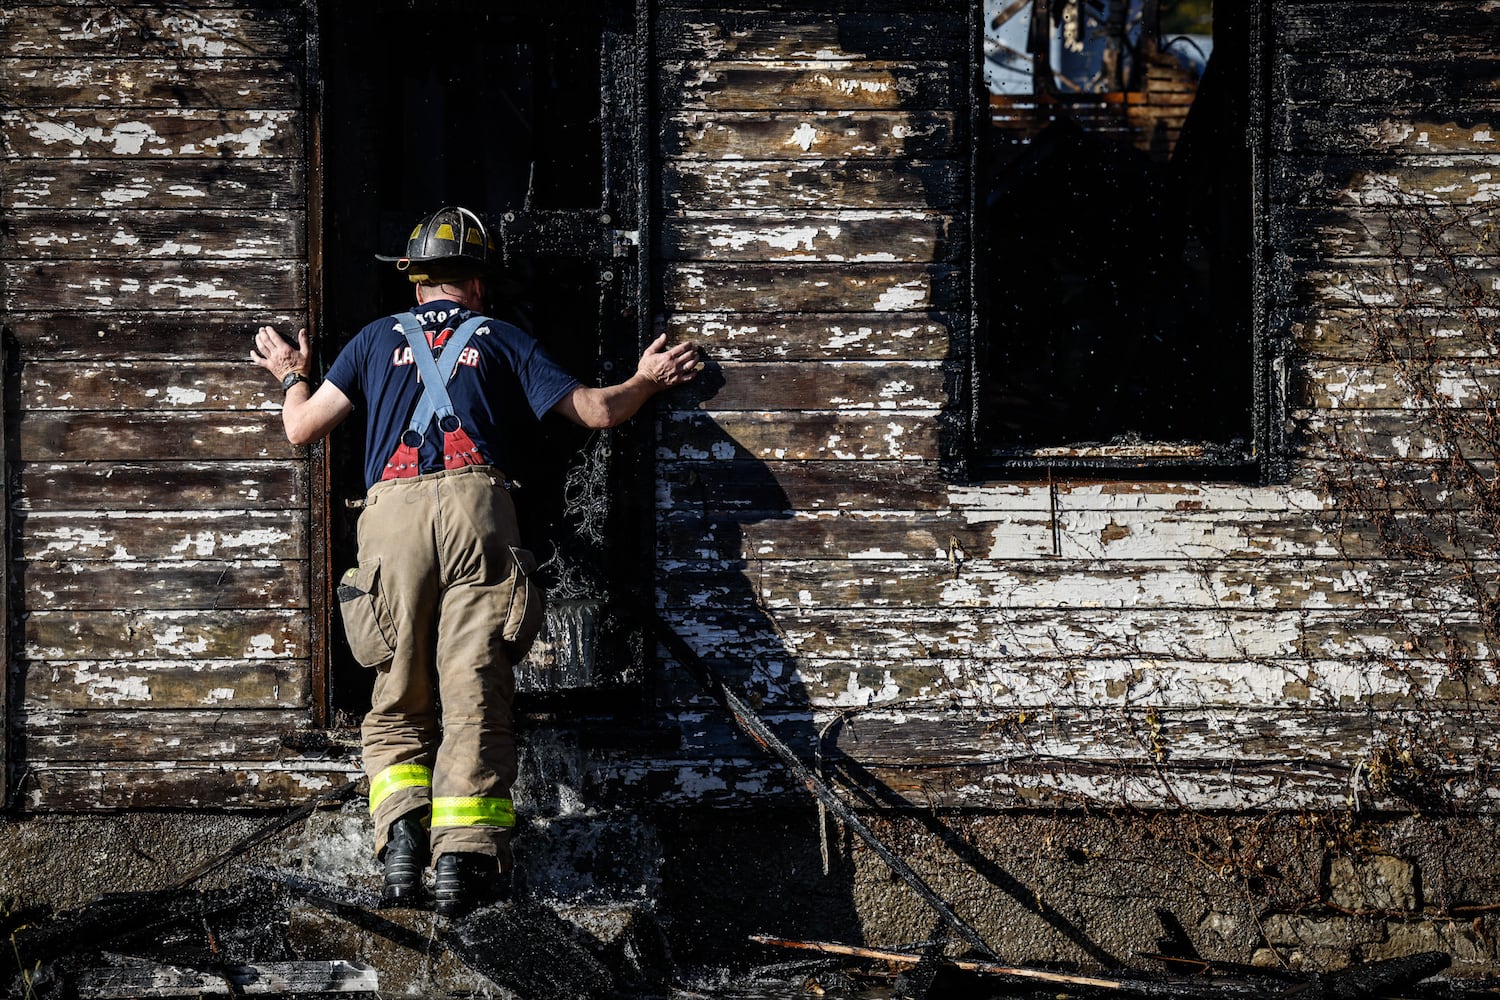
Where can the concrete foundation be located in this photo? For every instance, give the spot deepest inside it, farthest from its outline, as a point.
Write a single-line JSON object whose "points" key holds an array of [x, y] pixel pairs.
{"points": [[650, 894]]}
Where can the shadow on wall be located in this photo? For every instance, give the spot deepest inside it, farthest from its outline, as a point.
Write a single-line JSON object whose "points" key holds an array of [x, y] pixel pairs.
{"points": [[729, 874]]}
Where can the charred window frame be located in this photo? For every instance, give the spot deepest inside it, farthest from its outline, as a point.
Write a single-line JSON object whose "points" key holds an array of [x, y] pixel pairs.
{"points": [[1119, 311]]}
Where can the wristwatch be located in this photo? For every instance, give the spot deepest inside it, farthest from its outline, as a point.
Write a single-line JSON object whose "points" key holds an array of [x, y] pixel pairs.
{"points": [[292, 379]]}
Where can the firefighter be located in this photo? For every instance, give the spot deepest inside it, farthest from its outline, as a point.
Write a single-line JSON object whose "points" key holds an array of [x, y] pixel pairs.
{"points": [[442, 603]]}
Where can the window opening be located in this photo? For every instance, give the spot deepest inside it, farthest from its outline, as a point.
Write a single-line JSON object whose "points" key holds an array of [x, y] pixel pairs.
{"points": [[1115, 244]]}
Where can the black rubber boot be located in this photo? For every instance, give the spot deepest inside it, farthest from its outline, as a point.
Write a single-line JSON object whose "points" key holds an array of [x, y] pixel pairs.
{"points": [[405, 856], [464, 882]]}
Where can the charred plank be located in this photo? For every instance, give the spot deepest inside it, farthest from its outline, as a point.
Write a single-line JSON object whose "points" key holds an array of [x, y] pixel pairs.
{"points": [[151, 83], [258, 287], [104, 437], [163, 684], [809, 35], [812, 135], [853, 236], [207, 30], [165, 635], [821, 84], [164, 734], [180, 586], [777, 486], [813, 435], [149, 132], [160, 184], [817, 287], [135, 234], [709, 185], [166, 485], [821, 385], [224, 785]]}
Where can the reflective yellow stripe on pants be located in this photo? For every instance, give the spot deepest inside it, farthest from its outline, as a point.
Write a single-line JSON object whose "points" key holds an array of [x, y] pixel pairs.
{"points": [[396, 777], [473, 811]]}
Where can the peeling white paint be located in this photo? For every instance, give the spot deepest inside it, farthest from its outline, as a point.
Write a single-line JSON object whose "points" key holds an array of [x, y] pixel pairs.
{"points": [[124, 195], [172, 248], [905, 296], [178, 396], [262, 538], [804, 136], [249, 140], [112, 690], [175, 639], [197, 290]]}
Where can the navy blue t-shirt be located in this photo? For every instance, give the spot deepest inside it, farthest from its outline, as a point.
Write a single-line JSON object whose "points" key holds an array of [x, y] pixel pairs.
{"points": [[500, 388]]}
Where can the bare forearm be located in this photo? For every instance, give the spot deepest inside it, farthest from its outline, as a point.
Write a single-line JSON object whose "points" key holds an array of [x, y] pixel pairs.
{"points": [[611, 405], [660, 368], [295, 415], [308, 417]]}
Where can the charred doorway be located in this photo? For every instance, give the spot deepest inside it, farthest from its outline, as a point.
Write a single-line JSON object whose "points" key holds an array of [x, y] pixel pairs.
{"points": [[520, 114]]}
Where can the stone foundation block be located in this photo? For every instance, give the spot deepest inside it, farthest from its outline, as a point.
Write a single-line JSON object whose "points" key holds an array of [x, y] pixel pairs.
{"points": [[1382, 883]]}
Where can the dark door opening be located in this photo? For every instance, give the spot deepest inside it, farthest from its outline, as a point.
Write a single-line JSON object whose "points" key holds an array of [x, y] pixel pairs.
{"points": [[506, 112]]}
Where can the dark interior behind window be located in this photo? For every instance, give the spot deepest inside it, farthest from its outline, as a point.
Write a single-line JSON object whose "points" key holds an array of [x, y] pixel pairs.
{"points": [[1116, 239]]}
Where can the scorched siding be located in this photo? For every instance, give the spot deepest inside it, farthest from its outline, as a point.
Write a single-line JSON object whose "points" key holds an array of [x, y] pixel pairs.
{"points": [[155, 194], [1182, 644]]}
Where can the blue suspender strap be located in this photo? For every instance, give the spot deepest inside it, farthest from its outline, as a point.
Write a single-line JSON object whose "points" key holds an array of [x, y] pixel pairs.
{"points": [[435, 373]]}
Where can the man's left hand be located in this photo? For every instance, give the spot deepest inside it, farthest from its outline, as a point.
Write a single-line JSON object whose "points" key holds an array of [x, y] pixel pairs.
{"points": [[668, 366]]}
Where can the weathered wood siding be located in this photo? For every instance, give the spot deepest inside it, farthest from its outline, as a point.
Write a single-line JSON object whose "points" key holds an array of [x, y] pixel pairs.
{"points": [[155, 197], [975, 643], [1014, 644]]}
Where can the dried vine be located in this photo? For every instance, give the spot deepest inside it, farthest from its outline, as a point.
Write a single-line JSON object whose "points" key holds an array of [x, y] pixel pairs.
{"points": [[1426, 500]]}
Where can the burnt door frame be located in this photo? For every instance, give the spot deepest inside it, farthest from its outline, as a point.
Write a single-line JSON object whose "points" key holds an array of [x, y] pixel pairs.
{"points": [[7, 659], [609, 236]]}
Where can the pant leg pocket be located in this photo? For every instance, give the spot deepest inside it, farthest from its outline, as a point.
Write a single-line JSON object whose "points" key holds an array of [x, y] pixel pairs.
{"points": [[527, 604], [368, 624]]}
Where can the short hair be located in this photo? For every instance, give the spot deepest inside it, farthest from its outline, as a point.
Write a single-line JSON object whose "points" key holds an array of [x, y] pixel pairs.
{"points": [[441, 272]]}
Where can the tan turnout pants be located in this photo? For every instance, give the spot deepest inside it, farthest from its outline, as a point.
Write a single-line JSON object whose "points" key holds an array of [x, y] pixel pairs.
{"points": [[440, 605]]}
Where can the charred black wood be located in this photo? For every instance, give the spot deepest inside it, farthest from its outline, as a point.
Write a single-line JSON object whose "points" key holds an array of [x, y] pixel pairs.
{"points": [[136, 978], [520, 945], [918, 982], [322, 742], [526, 947], [1373, 979], [117, 917], [1196, 966], [1022, 976], [755, 727], [266, 832], [358, 908], [219, 967]]}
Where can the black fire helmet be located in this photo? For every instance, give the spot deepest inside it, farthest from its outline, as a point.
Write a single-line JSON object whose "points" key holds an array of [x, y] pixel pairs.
{"points": [[451, 244]]}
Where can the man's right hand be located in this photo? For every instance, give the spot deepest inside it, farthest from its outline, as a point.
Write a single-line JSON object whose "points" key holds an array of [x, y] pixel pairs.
{"points": [[275, 355]]}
